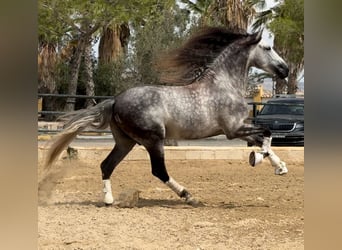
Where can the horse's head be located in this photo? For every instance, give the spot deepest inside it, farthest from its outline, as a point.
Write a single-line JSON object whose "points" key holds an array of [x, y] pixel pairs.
{"points": [[263, 56]]}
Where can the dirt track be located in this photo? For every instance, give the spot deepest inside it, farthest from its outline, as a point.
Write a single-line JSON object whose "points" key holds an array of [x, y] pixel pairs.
{"points": [[244, 207]]}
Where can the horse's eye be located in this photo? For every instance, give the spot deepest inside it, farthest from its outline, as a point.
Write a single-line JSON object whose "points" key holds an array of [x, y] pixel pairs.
{"points": [[267, 48]]}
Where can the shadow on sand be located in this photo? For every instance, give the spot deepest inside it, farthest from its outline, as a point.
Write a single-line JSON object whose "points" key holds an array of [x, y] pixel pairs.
{"points": [[166, 203]]}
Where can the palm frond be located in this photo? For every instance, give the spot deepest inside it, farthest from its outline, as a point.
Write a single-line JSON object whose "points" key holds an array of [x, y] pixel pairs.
{"points": [[192, 6], [262, 19], [261, 4]]}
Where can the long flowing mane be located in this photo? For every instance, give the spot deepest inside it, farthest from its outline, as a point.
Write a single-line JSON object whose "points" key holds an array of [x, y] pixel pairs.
{"points": [[187, 63]]}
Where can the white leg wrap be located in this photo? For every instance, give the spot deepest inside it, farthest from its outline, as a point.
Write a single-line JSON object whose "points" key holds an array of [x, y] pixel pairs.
{"points": [[274, 159], [107, 190], [280, 166], [177, 188], [266, 145]]}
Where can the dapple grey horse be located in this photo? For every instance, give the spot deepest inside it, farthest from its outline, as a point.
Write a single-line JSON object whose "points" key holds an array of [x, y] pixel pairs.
{"points": [[210, 70]]}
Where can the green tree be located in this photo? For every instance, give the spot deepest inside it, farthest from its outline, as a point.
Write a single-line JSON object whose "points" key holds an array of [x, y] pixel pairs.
{"points": [[164, 27], [201, 7], [113, 42], [286, 21], [115, 36], [234, 14], [153, 38], [50, 38], [65, 23], [81, 20]]}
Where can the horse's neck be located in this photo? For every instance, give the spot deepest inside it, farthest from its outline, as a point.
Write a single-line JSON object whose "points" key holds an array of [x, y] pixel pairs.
{"points": [[231, 67]]}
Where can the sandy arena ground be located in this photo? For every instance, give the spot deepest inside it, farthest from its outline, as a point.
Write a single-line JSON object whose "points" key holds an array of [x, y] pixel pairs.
{"points": [[243, 207]]}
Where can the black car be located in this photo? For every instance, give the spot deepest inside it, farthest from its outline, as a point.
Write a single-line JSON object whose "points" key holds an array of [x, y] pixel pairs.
{"points": [[284, 116]]}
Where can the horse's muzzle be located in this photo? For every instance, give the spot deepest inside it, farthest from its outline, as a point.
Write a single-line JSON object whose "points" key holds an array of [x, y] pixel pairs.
{"points": [[282, 70]]}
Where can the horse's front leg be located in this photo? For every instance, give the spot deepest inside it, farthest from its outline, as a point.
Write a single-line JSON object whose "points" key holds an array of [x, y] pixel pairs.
{"points": [[250, 133], [266, 152]]}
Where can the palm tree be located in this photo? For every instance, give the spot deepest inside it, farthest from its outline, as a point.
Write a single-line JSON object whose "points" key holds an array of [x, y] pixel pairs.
{"points": [[47, 62], [234, 14], [113, 42], [47, 59], [201, 7]]}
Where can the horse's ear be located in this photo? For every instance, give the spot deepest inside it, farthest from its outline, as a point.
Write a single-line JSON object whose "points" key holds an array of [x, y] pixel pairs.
{"points": [[254, 38]]}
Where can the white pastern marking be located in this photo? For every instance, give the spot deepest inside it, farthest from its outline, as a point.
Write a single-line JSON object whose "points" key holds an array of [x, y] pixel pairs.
{"points": [[266, 145], [177, 188], [280, 166], [107, 189]]}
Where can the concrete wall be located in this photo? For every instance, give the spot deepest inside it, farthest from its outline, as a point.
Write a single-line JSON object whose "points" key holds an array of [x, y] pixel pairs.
{"points": [[290, 155]]}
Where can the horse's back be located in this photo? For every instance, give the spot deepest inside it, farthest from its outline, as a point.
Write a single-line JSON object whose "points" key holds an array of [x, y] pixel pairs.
{"points": [[138, 103]]}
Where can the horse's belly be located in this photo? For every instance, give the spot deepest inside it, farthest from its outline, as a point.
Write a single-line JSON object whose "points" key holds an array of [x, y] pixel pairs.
{"points": [[193, 132]]}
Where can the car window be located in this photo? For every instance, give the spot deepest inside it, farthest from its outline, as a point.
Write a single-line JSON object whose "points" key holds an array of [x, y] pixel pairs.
{"points": [[282, 109], [297, 110]]}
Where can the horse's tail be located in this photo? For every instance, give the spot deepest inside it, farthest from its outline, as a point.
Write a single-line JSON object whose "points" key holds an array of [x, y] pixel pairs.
{"points": [[97, 117]]}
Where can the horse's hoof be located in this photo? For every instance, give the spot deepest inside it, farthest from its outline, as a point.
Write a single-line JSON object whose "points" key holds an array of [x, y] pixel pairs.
{"points": [[193, 202], [107, 190], [108, 199], [255, 158], [282, 169]]}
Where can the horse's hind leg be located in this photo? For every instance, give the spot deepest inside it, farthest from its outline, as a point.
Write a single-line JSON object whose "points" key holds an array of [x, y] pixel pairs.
{"points": [[156, 152], [123, 145]]}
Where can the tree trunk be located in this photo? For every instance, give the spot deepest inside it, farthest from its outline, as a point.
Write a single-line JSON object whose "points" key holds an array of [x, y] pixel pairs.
{"points": [[289, 86], [292, 80], [74, 71], [281, 86], [89, 81], [113, 43]]}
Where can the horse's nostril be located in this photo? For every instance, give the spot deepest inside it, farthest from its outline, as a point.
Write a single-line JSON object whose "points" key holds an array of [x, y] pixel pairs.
{"points": [[283, 66], [284, 69], [281, 70]]}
